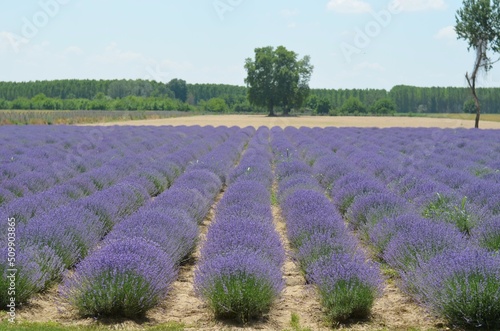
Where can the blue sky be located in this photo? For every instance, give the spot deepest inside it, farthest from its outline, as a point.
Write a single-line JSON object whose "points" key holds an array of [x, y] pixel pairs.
{"points": [[352, 43]]}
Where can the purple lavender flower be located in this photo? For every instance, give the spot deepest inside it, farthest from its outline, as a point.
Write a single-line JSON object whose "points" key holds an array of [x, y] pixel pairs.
{"points": [[188, 200], [298, 182], [487, 234], [351, 186], [125, 278], [70, 231], [368, 209], [290, 168], [422, 242], [381, 234], [6, 196], [329, 168], [347, 285], [240, 284], [206, 182], [172, 230], [36, 268], [323, 245], [462, 286], [19, 190], [235, 234], [309, 213], [116, 202]]}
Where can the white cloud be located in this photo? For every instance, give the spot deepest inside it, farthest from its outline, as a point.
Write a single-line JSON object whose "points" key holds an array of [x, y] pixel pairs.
{"points": [[349, 6], [419, 5], [446, 33]]}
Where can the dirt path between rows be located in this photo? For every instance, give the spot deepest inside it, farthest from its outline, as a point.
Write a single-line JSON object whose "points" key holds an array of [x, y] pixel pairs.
{"points": [[310, 121], [297, 297], [182, 305]]}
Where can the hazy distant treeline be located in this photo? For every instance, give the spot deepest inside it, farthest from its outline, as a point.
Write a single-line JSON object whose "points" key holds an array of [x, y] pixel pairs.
{"points": [[177, 94]]}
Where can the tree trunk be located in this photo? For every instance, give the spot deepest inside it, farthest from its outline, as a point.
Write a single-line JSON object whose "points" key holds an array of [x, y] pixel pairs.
{"points": [[478, 110], [472, 81], [472, 84], [270, 109]]}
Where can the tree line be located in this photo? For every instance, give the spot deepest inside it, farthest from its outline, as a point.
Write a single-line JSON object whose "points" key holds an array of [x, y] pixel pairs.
{"points": [[178, 95]]}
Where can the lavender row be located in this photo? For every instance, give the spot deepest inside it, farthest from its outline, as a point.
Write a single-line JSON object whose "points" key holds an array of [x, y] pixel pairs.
{"points": [[239, 274], [60, 238], [92, 181], [38, 168], [327, 252], [472, 210], [134, 268], [438, 265]]}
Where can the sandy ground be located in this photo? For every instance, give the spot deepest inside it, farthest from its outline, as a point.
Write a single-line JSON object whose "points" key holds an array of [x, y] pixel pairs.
{"points": [[310, 121]]}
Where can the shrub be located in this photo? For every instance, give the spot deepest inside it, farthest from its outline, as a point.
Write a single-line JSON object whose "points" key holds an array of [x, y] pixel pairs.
{"points": [[36, 268], [234, 234], [329, 168], [171, 229], [461, 213], [347, 285], [310, 213], [71, 231], [240, 284], [126, 277], [487, 234], [421, 242], [381, 234], [351, 186], [323, 245], [188, 200], [367, 210], [462, 286]]}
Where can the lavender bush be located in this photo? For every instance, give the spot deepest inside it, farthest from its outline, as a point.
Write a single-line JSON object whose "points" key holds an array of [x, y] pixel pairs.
{"points": [[462, 286], [487, 234], [367, 210], [381, 234], [125, 278], [309, 213], [240, 284], [328, 255], [239, 275], [347, 285], [456, 211], [70, 231], [421, 242], [351, 186], [37, 267], [171, 229]]}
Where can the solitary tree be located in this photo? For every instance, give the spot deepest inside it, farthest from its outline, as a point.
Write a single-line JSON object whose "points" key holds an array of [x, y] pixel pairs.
{"points": [[478, 22], [277, 78]]}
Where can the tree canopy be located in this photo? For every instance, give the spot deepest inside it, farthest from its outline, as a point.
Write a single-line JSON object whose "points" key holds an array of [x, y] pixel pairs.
{"points": [[478, 23], [353, 106], [277, 78]]}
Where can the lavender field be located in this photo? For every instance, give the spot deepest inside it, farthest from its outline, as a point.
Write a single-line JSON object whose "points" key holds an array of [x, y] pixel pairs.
{"points": [[108, 218]]}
